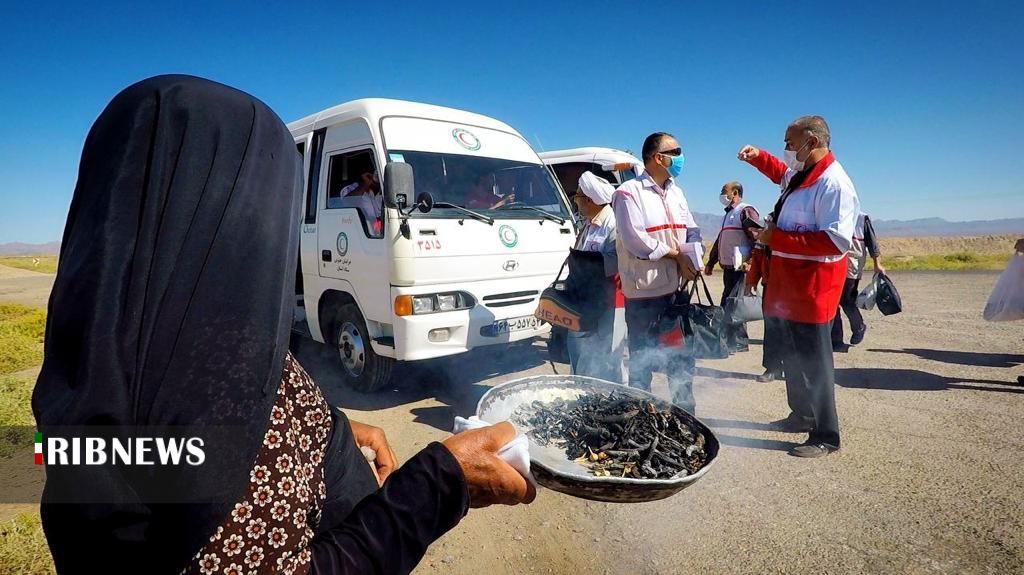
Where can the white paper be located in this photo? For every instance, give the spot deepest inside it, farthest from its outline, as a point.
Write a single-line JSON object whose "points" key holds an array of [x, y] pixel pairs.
{"points": [[695, 250]]}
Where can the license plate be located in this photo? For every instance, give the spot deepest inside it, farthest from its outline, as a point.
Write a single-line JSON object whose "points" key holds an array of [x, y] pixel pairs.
{"points": [[503, 326]]}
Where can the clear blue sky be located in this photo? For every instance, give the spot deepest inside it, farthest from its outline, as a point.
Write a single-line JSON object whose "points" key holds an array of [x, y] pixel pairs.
{"points": [[925, 99]]}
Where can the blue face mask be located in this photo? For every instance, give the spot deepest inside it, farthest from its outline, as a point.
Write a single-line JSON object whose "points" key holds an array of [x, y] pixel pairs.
{"points": [[676, 167]]}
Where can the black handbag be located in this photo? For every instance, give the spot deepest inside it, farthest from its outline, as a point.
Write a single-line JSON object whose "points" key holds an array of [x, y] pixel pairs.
{"points": [[577, 303], [887, 298], [704, 326]]}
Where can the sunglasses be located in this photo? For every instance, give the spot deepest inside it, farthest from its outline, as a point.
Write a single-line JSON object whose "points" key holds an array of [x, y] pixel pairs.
{"points": [[672, 152]]}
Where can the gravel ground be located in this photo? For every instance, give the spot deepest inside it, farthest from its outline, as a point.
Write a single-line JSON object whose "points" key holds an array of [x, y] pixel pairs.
{"points": [[929, 479]]}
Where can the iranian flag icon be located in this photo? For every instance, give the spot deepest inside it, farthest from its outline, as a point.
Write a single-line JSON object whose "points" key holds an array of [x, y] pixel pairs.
{"points": [[39, 448]]}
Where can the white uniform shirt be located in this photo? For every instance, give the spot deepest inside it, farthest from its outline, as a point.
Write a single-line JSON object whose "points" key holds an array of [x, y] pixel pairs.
{"points": [[598, 235], [643, 208], [830, 204]]}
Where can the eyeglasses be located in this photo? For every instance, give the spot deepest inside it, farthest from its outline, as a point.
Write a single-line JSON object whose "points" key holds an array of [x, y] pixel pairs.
{"points": [[672, 152]]}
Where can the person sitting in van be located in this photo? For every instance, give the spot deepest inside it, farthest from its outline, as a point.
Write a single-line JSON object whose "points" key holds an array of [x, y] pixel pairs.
{"points": [[482, 197], [366, 196]]}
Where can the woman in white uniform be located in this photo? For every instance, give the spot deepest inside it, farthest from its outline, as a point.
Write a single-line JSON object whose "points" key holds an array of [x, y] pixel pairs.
{"points": [[591, 353]]}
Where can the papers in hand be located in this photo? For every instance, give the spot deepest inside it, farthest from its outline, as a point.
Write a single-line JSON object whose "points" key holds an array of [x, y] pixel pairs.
{"points": [[695, 251]]}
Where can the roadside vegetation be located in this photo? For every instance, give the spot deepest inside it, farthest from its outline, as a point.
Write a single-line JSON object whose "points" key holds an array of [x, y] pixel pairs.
{"points": [[41, 264], [949, 254], [23, 549], [21, 348], [959, 261]]}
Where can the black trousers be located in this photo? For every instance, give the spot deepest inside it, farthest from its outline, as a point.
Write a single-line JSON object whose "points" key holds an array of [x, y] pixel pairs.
{"points": [[848, 304], [646, 355], [810, 378], [735, 334], [772, 348]]}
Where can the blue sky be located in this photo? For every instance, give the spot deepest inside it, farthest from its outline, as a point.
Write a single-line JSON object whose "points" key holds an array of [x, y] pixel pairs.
{"points": [[925, 99]]}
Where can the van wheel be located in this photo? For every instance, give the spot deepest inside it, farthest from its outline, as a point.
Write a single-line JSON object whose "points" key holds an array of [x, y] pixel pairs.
{"points": [[362, 369]]}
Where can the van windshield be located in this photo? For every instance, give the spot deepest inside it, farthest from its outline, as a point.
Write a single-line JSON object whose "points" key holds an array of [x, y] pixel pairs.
{"points": [[483, 184]]}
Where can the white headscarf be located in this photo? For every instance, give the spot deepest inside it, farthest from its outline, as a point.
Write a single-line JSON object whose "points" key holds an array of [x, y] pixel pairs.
{"points": [[596, 188]]}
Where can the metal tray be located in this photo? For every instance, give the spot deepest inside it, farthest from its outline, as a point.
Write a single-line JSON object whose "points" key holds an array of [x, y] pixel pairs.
{"points": [[550, 465]]}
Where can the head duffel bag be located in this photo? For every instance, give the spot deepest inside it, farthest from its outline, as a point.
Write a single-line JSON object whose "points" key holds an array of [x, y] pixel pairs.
{"points": [[558, 309]]}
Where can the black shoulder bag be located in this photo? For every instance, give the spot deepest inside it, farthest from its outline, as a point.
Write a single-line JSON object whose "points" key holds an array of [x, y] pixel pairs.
{"points": [[704, 326]]}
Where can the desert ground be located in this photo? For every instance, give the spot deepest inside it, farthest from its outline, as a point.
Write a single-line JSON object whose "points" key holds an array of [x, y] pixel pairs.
{"points": [[929, 479]]}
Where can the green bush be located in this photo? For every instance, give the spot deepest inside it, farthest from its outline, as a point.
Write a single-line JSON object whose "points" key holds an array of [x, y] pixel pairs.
{"points": [[23, 549], [960, 261], [17, 426], [21, 337], [41, 264], [961, 257]]}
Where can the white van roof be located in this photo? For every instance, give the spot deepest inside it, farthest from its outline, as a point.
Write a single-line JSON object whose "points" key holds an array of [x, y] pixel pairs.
{"points": [[373, 109], [606, 157]]}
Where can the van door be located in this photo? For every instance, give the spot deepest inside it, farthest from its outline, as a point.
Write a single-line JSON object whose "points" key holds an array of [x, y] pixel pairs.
{"points": [[351, 229]]}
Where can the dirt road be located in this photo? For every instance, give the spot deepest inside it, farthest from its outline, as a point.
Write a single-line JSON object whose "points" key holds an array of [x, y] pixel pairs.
{"points": [[929, 479], [24, 287]]}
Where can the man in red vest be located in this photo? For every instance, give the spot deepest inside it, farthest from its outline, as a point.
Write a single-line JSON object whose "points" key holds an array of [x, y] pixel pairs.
{"points": [[810, 232]]}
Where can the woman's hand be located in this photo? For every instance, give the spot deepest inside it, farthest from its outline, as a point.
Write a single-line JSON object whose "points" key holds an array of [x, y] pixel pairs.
{"points": [[373, 437], [489, 479]]}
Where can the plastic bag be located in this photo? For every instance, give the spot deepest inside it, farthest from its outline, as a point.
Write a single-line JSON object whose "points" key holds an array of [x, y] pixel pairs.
{"points": [[866, 297], [887, 299], [1007, 300], [740, 308]]}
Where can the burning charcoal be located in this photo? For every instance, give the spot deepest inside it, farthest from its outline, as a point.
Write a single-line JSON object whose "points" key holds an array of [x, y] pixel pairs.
{"points": [[614, 434]]}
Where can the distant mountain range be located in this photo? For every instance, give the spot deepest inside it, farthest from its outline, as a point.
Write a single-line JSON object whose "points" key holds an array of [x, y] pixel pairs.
{"points": [[711, 222], [913, 228], [20, 249]]}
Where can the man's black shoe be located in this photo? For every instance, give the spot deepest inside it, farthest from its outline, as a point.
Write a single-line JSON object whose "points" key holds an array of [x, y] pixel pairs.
{"points": [[739, 349], [793, 424], [768, 376], [858, 336], [840, 348], [812, 450]]}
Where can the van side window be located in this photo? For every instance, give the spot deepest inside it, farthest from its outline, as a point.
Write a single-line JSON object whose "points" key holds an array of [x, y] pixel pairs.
{"points": [[313, 177], [353, 182], [569, 174]]}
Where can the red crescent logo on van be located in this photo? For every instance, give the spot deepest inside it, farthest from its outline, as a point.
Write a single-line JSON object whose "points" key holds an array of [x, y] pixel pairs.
{"points": [[466, 139]]}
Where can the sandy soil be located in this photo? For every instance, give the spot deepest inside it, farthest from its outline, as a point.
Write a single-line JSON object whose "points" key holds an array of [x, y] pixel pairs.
{"points": [[24, 286], [979, 245], [929, 479]]}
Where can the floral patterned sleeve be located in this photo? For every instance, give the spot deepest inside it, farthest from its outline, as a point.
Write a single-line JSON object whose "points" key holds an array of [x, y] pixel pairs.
{"points": [[272, 528]]}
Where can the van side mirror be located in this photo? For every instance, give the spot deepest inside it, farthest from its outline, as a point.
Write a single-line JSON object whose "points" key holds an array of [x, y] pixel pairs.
{"points": [[399, 186]]}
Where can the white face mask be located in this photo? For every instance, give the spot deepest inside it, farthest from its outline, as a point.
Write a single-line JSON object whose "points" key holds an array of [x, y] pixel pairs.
{"points": [[724, 199], [789, 157]]}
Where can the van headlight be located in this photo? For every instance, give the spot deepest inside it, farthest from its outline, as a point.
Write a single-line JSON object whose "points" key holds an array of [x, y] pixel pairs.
{"points": [[447, 302], [432, 303], [422, 304]]}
